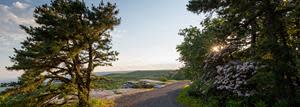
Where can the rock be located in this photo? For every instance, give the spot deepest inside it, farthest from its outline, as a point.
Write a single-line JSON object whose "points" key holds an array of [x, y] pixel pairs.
{"points": [[143, 83], [130, 84], [159, 86]]}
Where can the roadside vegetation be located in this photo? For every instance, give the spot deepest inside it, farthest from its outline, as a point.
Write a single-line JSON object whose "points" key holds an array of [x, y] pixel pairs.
{"points": [[185, 98], [96, 103], [246, 54]]}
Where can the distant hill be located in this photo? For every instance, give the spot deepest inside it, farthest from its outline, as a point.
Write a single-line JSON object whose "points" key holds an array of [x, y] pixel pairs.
{"points": [[142, 74], [110, 72]]}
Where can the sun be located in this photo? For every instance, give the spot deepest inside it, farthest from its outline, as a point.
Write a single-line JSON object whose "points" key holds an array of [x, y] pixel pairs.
{"points": [[217, 48]]}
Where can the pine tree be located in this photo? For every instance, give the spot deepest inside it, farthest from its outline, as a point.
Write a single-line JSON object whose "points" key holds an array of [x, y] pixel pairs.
{"points": [[60, 54]]}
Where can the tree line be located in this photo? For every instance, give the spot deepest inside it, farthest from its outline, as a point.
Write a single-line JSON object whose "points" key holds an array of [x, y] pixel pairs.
{"points": [[9, 84]]}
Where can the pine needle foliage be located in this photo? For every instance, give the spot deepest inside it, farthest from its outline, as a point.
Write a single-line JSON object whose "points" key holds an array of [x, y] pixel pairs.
{"points": [[60, 54]]}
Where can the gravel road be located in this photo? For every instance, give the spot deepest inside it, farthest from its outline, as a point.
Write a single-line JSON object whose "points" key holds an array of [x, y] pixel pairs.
{"points": [[163, 97]]}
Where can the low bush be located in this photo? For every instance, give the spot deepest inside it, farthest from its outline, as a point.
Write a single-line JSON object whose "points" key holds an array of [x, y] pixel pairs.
{"points": [[191, 101], [281, 103], [188, 100], [260, 104], [163, 79], [234, 103], [178, 75]]}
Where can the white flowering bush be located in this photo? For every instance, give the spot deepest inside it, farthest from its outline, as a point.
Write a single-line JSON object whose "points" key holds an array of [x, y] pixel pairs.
{"points": [[228, 74], [233, 77]]}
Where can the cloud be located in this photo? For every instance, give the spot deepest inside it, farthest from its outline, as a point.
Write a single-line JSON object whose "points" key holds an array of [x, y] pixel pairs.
{"points": [[139, 67], [20, 5], [11, 17]]}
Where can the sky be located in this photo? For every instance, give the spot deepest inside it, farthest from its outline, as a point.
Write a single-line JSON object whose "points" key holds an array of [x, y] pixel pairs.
{"points": [[146, 38]]}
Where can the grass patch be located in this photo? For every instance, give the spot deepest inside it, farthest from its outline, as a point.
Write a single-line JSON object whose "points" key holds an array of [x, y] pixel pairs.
{"points": [[189, 101], [102, 103], [186, 100], [95, 103]]}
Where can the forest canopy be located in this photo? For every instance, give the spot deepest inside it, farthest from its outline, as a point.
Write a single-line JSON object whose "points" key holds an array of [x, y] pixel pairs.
{"points": [[247, 52]]}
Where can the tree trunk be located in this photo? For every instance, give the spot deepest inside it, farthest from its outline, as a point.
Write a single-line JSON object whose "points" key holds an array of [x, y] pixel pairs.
{"points": [[90, 69], [83, 96], [82, 92]]}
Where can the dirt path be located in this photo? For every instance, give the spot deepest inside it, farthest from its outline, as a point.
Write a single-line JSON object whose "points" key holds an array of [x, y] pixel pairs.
{"points": [[163, 97]]}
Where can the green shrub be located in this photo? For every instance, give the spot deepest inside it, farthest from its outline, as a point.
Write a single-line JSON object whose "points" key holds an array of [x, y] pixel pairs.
{"points": [[234, 103], [297, 99], [200, 88], [191, 101], [163, 78], [281, 103], [260, 104], [186, 100], [178, 75]]}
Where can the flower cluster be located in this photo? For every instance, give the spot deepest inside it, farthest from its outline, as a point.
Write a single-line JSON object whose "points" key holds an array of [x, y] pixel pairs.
{"points": [[233, 77]]}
